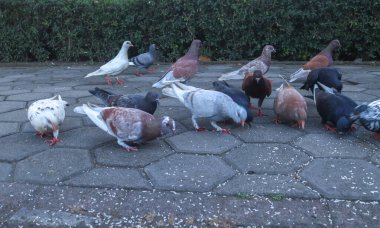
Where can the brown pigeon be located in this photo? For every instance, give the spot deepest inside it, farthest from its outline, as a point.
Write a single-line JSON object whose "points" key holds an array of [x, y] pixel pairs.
{"points": [[128, 124], [290, 106], [261, 63], [183, 69], [255, 85], [322, 59]]}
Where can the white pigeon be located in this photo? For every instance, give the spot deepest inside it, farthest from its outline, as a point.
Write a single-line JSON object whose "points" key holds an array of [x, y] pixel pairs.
{"points": [[46, 116], [210, 104], [114, 66]]}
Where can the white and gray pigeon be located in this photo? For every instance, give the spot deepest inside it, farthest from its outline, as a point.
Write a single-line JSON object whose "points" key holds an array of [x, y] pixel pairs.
{"points": [[115, 66], [144, 60], [46, 116], [369, 116], [210, 104], [261, 63], [128, 124]]}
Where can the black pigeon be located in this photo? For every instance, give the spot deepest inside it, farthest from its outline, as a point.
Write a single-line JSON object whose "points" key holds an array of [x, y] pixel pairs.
{"points": [[237, 96], [147, 103], [144, 60], [334, 108], [369, 116], [329, 77]]}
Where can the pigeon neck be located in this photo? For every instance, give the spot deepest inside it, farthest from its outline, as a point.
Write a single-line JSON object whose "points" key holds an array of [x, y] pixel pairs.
{"points": [[152, 131], [123, 53], [266, 57], [193, 51]]}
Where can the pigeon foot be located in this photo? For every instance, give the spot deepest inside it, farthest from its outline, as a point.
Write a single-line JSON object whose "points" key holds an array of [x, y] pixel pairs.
{"points": [[330, 128], [139, 74], [41, 134], [52, 141], [119, 82], [108, 80], [200, 129], [260, 113]]}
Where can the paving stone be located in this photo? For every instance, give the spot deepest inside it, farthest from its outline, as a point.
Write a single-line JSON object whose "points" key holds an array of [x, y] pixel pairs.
{"points": [[29, 96], [86, 137], [265, 133], [5, 171], [177, 113], [266, 185], [374, 92], [344, 178], [74, 93], [327, 145], [15, 116], [358, 96], [8, 128], [270, 158], [52, 166], [114, 155], [183, 172], [110, 177], [354, 214], [7, 106], [89, 99], [203, 142], [2, 98], [68, 124], [376, 158], [352, 88], [18, 146], [51, 89], [168, 101], [2, 88], [14, 91]]}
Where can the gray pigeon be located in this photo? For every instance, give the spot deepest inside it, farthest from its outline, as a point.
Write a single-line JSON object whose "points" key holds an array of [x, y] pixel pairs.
{"points": [[369, 116], [210, 104], [144, 60], [147, 103]]}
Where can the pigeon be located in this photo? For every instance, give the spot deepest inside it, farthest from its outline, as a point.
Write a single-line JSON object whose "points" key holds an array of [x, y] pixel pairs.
{"points": [[369, 116], [147, 103], [330, 77], [334, 108], [128, 124], [322, 59], [255, 85], [237, 96], [46, 116], [183, 69], [261, 63], [114, 66], [144, 60], [290, 106], [210, 104]]}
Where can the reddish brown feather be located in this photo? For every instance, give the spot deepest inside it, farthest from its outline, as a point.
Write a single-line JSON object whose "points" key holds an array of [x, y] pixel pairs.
{"points": [[318, 61]]}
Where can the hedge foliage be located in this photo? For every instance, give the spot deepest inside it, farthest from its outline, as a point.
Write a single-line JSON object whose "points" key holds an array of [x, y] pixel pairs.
{"points": [[80, 30]]}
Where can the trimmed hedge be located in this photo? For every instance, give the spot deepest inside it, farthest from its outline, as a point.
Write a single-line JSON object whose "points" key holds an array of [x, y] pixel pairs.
{"points": [[80, 30]]}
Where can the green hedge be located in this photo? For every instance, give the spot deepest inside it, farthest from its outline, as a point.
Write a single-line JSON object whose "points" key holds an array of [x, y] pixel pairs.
{"points": [[80, 30]]}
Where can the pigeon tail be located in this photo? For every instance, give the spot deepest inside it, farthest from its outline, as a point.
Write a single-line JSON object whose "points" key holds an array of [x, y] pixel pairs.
{"points": [[95, 117], [174, 92], [131, 64], [301, 73], [316, 89], [325, 88], [234, 75], [95, 73], [101, 94]]}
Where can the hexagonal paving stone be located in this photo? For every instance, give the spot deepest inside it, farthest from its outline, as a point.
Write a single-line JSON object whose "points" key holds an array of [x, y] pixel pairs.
{"points": [[344, 178], [327, 145], [68, 124], [7, 106], [5, 171], [14, 91], [74, 93], [15, 116], [184, 172], [203, 142], [29, 96], [268, 133], [177, 113], [110, 177], [52, 166], [86, 137], [8, 128], [272, 158], [50, 89], [357, 96], [114, 155], [266, 185]]}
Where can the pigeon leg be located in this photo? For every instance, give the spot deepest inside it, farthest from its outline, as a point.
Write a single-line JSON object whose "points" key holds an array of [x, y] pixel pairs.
{"points": [[276, 120], [55, 136], [196, 126], [108, 80], [260, 113], [151, 70], [376, 135], [213, 123], [126, 146], [41, 134], [119, 82], [138, 73], [299, 124], [251, 106], [329, 128]]}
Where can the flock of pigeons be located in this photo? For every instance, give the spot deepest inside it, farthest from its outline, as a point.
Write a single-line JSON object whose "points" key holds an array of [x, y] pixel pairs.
{"points": [[129, 118]]}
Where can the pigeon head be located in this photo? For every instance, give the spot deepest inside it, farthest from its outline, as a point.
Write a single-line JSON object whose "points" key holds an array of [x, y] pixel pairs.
{"points": [[257, 74], [127, 44], [152, 97], [335, 44], [167, 126], [152, 48], [357, 110], [268, 49], [239, 115], [194, 48], [64, 103], [343, 125]]}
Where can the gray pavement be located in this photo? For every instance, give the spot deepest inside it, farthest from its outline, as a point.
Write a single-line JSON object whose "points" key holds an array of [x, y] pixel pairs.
{"points": [[267, 175]]}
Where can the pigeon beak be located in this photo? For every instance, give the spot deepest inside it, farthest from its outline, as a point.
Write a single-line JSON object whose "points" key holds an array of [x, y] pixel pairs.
{"points": [[242, 123]]}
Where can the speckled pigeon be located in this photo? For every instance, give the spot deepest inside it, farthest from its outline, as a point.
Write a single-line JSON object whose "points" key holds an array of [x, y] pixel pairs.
{"points": [[128, 124], [147, 103], [329, 77], [114, 66], [261, 63], [255, 85], [46, 116], [369, 116], [183, 69], [210, 104], [322, 59], [237, 95], [334, 108], [144, 60]]}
